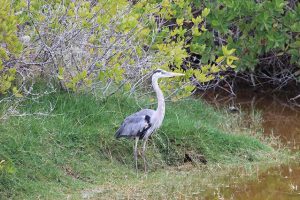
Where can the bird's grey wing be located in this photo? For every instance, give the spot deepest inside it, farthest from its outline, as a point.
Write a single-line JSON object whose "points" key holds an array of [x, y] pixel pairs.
{"points": [[136, 125]]}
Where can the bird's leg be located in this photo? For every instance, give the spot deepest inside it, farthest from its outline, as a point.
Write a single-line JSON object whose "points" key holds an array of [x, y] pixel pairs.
{"points": [[143, 154], [135, 153]]}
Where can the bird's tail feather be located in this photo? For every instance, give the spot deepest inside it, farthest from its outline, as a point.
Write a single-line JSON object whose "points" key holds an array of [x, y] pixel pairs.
{"points": [[118, 133]]}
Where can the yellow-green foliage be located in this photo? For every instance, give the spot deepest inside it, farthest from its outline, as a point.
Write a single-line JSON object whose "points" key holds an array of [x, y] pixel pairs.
{"points": [[9, 45], [100, 43], [171, 43]]}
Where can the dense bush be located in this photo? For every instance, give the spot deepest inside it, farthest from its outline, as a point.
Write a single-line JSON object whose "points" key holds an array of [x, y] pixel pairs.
{"points": [[265, 33], [103, 45], [10, 47]]}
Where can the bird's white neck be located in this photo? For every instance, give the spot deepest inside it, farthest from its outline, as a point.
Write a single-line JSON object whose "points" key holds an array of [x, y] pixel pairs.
{"points": [[160, 98]]}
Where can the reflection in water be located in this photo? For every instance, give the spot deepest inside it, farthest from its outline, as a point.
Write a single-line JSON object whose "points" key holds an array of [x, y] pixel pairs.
{"points": [[279, 119], [280, 183]]}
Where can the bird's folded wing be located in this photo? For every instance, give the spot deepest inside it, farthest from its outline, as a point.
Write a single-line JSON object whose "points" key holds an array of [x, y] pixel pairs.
{"points": [[134, 126]]}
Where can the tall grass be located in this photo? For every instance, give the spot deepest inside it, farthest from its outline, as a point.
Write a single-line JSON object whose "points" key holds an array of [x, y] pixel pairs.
{"points": [[52, 154]]}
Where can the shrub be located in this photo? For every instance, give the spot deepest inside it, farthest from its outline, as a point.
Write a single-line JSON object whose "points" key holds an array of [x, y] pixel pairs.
{"points": [[264, 33], [10, 47], [104, 46]]}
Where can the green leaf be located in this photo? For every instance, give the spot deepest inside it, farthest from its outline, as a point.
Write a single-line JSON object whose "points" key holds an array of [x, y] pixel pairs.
{"points": [[197, 20], [227, 52], [214, 69], [179, 21], [16, 92], [295, 27], [220, 59], [61, 70], [205, 12]]}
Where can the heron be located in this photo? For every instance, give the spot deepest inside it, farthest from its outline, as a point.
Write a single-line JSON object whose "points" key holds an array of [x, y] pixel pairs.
{"points": [[141, 125]]}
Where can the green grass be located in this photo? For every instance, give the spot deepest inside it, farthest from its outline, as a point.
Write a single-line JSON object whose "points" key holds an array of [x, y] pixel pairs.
{"points": [[73, 148]]}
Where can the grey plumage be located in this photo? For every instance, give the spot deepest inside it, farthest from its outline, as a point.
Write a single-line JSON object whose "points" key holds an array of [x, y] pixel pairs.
{"points": [[136, 125], [142, 124]]}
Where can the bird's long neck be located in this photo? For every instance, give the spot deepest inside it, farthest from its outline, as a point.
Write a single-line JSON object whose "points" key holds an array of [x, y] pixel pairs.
{"points": [[160, 97]]}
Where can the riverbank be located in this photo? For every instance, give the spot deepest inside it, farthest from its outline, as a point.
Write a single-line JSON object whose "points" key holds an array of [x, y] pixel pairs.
{"points": [[63, 146]]}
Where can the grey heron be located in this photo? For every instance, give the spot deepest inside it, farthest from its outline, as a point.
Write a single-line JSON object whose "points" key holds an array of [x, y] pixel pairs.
{"points": [[142, 124]]}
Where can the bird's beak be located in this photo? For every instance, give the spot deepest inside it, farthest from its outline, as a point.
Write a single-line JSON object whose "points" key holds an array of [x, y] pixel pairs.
{"points": [[172, 74]]}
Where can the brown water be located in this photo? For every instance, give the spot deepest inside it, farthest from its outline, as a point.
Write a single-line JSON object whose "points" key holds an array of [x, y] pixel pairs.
{"points": [[280, 119], [277, 183]]}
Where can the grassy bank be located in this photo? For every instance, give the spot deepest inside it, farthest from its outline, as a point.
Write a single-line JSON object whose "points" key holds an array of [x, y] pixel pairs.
{"points": [[72, 149]]}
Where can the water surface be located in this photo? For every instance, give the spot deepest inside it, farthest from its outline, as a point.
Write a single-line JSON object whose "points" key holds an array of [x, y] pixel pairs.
{"points": [[281, 118]]}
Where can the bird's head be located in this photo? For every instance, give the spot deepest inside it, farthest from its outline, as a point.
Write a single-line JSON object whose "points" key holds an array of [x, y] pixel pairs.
{"points": [[159, 73]]}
